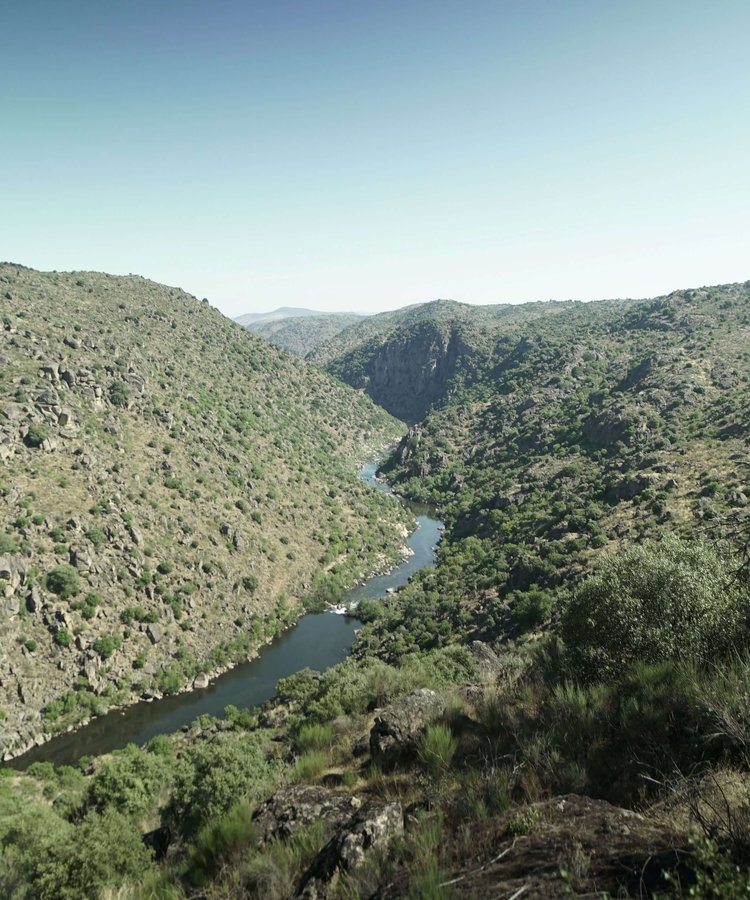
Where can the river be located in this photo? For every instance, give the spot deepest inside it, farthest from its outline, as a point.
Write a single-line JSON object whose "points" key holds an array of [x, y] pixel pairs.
{"points": [[317, 641]]}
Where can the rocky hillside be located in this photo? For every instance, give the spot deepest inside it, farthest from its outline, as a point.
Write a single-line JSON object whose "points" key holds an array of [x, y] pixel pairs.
{"points": [[577, 435], [301, 335], [559, 708], [409, 360], [172, 489]]}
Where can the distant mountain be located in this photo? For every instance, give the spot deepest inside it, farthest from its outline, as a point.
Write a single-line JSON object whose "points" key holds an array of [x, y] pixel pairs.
{"points": [[276, 315], [409, 359], [303, 334]]}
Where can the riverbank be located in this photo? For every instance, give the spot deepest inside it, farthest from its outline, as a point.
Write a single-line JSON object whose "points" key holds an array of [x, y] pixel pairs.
{"points": [[239, 684]]}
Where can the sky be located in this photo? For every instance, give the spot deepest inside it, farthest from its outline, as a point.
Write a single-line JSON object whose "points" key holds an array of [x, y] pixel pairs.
{"points": [[365, 154]]}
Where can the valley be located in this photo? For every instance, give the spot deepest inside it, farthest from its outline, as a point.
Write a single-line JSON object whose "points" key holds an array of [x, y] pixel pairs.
{"points": [[549, 698]]}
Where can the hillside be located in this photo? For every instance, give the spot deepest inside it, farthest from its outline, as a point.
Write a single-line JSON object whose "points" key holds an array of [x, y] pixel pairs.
{"points": [[559, 708], [410, 359], [301, 335], [276, 315], [172, 489], [576, 436]]}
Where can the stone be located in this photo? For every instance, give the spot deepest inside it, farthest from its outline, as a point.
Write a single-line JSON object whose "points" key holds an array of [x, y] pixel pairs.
{"points": [[396, 729], [201, 681], [154, 632]]}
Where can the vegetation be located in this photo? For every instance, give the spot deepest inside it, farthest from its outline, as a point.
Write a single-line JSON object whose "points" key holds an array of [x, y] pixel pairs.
{"points": [[157, 461], [560, 707]]}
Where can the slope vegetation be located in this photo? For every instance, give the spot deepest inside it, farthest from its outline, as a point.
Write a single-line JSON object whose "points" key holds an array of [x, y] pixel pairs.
{"points": [[301, 335], [172, 490]]}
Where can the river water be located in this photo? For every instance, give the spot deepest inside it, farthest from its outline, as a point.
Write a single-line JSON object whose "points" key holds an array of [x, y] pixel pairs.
{"points": [[317, 641]]}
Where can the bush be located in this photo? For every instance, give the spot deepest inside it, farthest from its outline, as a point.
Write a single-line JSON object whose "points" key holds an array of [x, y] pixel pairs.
{"points": [[532, 608], [130, 782], [37, 435], [63, 638], [310, 765], [119, 394], [314, 736], [64, 581], [658, 601], [106, 645], [220, 841], [217, 775], [436, 748]]}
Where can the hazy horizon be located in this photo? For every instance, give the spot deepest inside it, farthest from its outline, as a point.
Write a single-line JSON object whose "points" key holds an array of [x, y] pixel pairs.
{"points": [[363, 157]]}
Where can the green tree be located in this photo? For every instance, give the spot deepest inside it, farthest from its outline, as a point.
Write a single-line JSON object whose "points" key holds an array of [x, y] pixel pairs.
{"points": [[656, 601]]}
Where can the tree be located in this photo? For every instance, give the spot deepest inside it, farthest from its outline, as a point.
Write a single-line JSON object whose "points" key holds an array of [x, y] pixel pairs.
{"points": [[657, 601]]}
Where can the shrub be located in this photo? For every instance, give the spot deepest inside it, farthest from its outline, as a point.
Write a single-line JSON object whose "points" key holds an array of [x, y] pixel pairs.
{"points": [[37, 435], [310, 765], [63, 638], [119, 394], [436, 748], [314, 736], [97, 536], [106, 645], [654, 602], [532, 608], [217, 775], [63, 581], [130, 782], [218, 842]]}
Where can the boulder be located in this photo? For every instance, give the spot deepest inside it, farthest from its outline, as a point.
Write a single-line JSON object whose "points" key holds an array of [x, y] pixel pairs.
{"points": [[370, 828], [397, 727], [352, 825]]}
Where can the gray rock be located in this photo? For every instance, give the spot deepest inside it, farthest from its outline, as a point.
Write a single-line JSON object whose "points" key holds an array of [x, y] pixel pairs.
{"points": [[154, 632], [370, 828], [397, 727]]}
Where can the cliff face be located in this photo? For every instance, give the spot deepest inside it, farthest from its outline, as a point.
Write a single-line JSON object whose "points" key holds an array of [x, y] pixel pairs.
{"points": [[412, 370]]}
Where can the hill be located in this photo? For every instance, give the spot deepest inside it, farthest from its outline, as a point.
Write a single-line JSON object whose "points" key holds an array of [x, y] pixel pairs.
{"points": [[409, 359], [581, 429], [172, 490], [276, 315], [559, 708], [303, 334]]}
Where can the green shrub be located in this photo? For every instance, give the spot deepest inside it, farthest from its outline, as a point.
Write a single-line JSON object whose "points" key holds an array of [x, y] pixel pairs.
{"points": [[106, 645], [63, 581], [314, 736], [219, 842], [37, 435], [130, 782], [97, 536], [215, 776], [310, 765], [657, 601], [436, 748], [63, 638], [119, 394], [532, 608]]}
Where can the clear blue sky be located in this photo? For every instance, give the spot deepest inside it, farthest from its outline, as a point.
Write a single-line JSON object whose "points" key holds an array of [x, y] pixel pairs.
{"points": [[365, 154]]}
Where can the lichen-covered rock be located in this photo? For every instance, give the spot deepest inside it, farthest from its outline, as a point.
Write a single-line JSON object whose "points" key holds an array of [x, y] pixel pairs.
{"points": [[353, 827], [397, 727]]}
